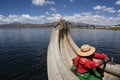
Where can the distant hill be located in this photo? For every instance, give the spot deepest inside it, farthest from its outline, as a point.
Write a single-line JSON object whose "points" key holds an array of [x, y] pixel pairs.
{"points": [[117, 25], [70, 24], [21, 25], [80, 25]]}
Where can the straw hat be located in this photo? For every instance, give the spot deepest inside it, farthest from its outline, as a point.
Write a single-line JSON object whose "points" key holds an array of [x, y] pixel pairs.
{"points": [[86, 50]]}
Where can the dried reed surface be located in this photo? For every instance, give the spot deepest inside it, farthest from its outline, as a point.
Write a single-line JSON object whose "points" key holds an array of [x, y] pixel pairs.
{"points": [[62, 49]]}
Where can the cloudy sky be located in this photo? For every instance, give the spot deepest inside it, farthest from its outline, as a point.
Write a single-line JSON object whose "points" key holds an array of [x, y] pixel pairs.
{"points": [[100, 12]]}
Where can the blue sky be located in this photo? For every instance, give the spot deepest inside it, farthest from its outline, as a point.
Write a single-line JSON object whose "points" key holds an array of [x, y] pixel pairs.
{"points": [[100, 12]]}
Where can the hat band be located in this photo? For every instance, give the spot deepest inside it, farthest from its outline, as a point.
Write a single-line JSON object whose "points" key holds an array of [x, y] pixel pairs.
{"points": [[86, 50]]}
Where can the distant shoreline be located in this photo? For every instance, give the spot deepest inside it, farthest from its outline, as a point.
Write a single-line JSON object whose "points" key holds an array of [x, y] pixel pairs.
{"points": [[51, 25]]}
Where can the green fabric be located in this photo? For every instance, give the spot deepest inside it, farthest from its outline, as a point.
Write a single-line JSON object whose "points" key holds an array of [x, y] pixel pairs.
{"points": [[96, 73], [72, 68], [92, 75]]}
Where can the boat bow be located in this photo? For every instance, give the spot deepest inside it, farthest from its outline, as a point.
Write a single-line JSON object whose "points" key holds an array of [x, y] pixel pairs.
{"points": [[62, 49]]}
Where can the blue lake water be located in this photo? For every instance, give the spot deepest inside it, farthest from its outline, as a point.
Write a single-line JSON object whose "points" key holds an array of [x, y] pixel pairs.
{"points": [[23, 52]]}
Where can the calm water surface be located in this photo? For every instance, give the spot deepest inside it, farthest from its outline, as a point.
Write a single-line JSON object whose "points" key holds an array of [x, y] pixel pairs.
{"points": [[23, 52]]}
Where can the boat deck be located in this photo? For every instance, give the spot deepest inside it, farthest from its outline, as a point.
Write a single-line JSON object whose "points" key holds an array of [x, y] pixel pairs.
{"points": [[62, 49]]}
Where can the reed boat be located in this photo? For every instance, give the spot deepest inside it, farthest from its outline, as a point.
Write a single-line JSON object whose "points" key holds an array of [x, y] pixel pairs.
{"points": [[62, 49]]}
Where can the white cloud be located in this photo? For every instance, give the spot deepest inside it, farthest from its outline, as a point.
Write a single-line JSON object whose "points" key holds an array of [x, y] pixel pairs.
{"points": [[57, 16], [98, 7], [19, 18], [92, 19], [42, 2], [118, 15], [117, 2], [84, 17], [53, 17], [71, 0], [119, 11], [1, 17], [104, 8], [47, 13], [53, 9], [26, 18]]}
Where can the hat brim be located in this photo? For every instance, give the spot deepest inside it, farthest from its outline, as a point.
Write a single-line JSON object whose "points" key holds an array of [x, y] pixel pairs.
{"points": [[80, 53]]}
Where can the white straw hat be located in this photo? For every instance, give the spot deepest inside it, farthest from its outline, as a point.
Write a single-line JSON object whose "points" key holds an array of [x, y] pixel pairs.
{"points": [[86, 50]]}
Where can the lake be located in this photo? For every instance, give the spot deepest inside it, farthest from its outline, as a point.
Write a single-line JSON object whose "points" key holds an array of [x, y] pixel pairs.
{"points": [[23, 52]]}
